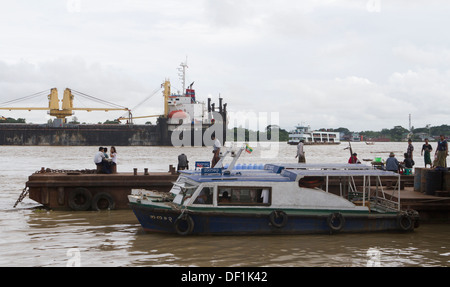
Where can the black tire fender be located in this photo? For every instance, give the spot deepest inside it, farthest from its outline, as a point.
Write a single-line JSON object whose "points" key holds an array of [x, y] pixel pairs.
{"points": [[80, 199], [275, 216], [103, 201], [184, 224], [405, 222], [335, 221]]}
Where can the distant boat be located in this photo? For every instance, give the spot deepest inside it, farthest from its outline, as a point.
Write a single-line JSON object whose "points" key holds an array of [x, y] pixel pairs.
{"points": [[312, 137]]}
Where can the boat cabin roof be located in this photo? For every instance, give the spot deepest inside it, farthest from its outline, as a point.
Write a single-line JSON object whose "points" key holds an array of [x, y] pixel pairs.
{"points": [[284, 172]]}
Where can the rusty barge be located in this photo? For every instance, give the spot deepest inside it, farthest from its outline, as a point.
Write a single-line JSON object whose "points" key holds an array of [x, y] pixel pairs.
{"points": [[88, 190]]}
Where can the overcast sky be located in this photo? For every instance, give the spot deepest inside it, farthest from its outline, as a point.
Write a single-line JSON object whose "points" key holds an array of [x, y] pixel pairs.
{"points": [[359, 64]]}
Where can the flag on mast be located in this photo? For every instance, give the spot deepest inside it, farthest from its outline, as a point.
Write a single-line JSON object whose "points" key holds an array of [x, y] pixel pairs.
{"points": [[248, 148]]}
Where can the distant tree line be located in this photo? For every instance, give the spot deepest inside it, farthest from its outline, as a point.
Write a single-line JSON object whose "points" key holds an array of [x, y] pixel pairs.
{"points": [[4, 120], [397, 133]]}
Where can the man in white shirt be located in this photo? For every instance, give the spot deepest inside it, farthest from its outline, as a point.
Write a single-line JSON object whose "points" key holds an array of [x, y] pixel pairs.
{"points": [[100, 161], [300, 152], [216, 150], [99, 156]]}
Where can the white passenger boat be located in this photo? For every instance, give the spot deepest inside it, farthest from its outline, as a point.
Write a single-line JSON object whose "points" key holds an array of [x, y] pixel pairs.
{"points": [[281, 199], [312, 137]]}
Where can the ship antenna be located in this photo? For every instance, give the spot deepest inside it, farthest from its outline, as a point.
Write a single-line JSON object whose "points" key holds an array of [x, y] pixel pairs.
{"points": [[182, 74]]}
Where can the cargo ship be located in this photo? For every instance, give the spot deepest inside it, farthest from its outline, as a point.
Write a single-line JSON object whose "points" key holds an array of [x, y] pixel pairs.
{"points": [[185, 122]]}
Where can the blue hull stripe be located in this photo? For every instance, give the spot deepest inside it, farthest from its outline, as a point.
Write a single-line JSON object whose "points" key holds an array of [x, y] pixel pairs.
{"points": [[231, 223]]}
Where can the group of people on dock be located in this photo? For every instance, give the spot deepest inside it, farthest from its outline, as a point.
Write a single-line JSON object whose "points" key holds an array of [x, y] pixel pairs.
{"points": [[106, 163], [440, 157], [392, 164], [405, 167]]}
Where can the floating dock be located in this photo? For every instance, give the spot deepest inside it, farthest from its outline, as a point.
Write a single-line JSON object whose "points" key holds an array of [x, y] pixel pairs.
{"points": [[87, 190], [430, 194]]}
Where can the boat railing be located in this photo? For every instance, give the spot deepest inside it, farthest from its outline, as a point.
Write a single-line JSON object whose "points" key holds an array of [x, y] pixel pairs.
{"points": [[365, 188], [384, 204]]}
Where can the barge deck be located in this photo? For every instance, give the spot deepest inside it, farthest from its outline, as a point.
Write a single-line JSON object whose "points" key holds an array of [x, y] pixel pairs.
{"points": [[87, 190]]}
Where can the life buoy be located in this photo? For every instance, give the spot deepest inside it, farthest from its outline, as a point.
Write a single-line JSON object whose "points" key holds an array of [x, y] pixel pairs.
{"points": [[405, 222], [80, 199], [102, 201], [278, 218], [335, 221], [184, 224]]}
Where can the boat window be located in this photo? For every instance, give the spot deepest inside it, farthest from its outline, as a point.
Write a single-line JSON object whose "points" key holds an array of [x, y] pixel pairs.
{"points": [[311, 182], [205, 196], [244, 196], [183, 192]]}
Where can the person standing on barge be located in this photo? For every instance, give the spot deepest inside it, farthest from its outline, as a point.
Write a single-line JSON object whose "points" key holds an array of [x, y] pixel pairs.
{"points": [[441, 153], [410, 149], [427, 148], [183, 162], [216, 150], [301, 152]]}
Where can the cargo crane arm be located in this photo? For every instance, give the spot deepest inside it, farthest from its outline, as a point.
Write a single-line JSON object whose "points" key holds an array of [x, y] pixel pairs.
{"points": [[67, 104]]}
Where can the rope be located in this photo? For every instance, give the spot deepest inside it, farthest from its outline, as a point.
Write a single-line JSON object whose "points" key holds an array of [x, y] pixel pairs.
{"points": [[25, 98], [97, 99], [143, 101], [49, 170]]}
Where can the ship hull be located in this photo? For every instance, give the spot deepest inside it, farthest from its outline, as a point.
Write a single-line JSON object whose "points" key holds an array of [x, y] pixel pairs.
{"points": [[260, 222], [100, 135]]}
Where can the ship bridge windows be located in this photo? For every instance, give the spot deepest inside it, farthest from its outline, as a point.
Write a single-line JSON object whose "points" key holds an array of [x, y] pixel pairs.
{"points": [[244, 196]]}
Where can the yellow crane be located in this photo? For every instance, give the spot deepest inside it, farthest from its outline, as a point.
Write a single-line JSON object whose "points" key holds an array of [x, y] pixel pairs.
{"points": [[67, 105]]}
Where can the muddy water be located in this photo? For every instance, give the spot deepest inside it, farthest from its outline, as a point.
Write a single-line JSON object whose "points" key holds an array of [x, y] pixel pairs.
{"points": [[35, 237]]}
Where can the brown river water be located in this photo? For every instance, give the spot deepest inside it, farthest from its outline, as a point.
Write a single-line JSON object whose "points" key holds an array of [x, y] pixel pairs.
{"points": [[37, 237]]}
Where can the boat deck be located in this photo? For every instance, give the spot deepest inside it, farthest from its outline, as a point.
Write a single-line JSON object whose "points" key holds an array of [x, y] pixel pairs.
{"points": [[54, 189]]}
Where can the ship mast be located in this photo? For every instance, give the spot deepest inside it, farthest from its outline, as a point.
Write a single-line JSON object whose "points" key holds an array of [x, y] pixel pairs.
{"points": [[182, 74]]}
